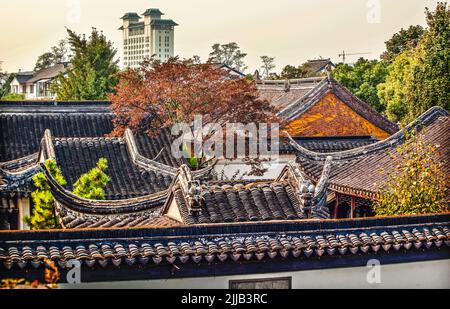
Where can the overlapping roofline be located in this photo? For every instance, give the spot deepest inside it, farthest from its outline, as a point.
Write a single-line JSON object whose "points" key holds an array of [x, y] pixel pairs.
{"points": [[422, 121]]}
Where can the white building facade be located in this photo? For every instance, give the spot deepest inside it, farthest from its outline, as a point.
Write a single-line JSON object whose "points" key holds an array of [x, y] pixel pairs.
{"points": [[142, 39]]}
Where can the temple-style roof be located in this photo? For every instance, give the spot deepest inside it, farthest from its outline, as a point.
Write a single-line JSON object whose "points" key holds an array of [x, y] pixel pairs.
{"points": [[130, 174], [238, 203], [325, 144], [152, 11], [358, 171], [163, 22], [130, 15], [301, 105], [289, 197], [23, 125], [261, 246], [282, 93], [316, 66], [76, 156]]}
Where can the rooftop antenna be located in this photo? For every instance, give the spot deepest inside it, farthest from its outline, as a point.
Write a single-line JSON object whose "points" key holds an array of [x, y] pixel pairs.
{"points": [[344, 55]]}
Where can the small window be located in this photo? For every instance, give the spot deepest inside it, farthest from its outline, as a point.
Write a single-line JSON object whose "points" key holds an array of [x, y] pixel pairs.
{"points": [[267, 283]]}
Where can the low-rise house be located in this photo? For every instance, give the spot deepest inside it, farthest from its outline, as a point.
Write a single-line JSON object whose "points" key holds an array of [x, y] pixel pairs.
{"points": [[19, 83], [36, 85]]}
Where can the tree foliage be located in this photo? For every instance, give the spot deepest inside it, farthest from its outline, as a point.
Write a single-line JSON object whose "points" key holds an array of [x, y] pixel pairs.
{"points": [[157, 95], [91, 184], [5, 83], [58, 54], [402, 41], [229, 54], [362, 79], [292, 72], [418, 184], [267, 65], [92, 75], [43, 215], [14, 96], [429, 81], [392, 92]]}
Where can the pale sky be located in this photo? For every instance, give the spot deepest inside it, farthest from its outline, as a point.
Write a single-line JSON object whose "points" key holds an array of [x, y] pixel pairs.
{"points": [[292, 31]]}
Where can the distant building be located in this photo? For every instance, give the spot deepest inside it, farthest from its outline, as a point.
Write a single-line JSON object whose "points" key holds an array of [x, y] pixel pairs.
{"points": [[18, 84], [143, 39], [36, 85], [317, 67]]}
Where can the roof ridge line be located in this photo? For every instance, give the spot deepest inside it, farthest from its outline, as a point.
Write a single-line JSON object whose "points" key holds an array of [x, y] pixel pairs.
{"points": [[425, 119], [105, 207]]}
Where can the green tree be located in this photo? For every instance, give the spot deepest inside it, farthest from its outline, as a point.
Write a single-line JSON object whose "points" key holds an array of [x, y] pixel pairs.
{"points": [[58, 54], [267, 65], [43, 215], [291, 72], [362, 79], [229, 54], [5, 83], [429, 81], [402, 41], [91, 184], [92, 75], [392, 92], [14, 96], [418, 183]]}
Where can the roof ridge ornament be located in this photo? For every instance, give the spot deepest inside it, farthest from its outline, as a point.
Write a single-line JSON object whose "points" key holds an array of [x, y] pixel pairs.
{"points": [[319, 200], [287, 85], [329, 78], [192, 188]]}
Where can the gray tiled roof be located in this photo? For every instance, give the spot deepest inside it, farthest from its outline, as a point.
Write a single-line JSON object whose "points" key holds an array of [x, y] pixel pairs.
{"points": [[249, 243], [358, 171]]}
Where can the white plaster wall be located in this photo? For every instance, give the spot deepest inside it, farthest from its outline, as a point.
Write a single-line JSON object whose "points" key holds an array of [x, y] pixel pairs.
{"points": [[430, 274]]}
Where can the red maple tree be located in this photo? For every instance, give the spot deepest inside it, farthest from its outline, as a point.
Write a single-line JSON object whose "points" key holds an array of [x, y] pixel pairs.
{"points": [[158, 95]]}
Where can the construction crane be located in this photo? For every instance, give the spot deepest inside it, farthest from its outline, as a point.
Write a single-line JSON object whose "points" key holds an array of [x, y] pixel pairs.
{"points": [[344, 55]]}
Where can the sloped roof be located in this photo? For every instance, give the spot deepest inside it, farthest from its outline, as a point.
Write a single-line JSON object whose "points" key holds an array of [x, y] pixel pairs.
{"points": [[281, 93], [301, 105], [130, 15], [23, 77], [152, 11], [358, 171], [292, 245], [326, 144], [48, 73], [240, 203], [22, 127], [76, 156], [317, 65], [163, 22]]}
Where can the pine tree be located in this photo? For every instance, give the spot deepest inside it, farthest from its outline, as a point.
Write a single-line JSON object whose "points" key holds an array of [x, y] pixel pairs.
{"points": [[43, 215], [91, 184], [92, 75]]}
